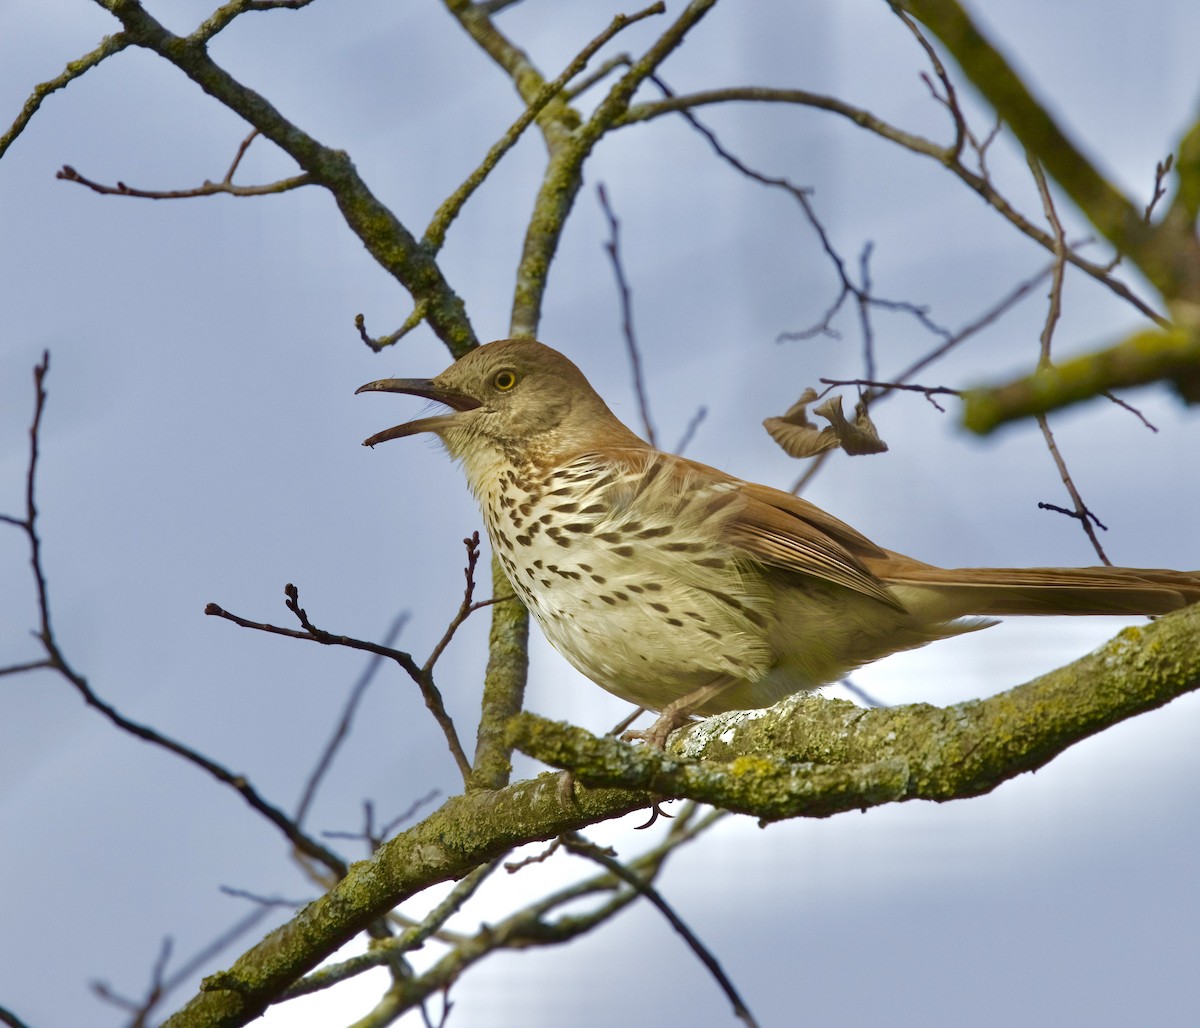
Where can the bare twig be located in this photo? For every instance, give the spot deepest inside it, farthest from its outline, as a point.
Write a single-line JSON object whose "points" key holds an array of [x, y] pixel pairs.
{"points": [[429, 691], [56, 660], [689, 431], [977, 181], [541, 857], [140, 1009], [435, 234], [849, 287], [467, 607], [413, 938], [342, 729], [375, 837], [580, 846], [880, 389], [1053, 311], [1131, 408], [613, 248], [230, 10], [1161, 170], [207, 188], [599, 75], [7, 1017]]}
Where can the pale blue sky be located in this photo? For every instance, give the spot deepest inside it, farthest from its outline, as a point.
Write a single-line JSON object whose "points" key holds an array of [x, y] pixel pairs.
{"points": [[201, 444]]}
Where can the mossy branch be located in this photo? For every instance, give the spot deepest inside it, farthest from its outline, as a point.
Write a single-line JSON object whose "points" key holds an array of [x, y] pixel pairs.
{"points": [[467, 831], [825, 756], [1150, 356], [388, 240], [809, 756], [1167, 253], [109, 45]]}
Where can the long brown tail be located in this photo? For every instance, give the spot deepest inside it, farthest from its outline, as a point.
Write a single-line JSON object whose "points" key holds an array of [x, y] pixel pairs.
{"points": [[1006, 591]]}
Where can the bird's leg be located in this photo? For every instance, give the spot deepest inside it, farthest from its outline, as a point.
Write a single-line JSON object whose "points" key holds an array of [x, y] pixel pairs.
{"points": [[678, 713], [625, 722]]}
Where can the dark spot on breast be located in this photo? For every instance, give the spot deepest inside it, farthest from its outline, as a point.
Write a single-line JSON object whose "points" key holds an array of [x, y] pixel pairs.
{"points": [[598, 579], [578, 526], [662, 607], [623, 551], [674, 621], [566, 508], [608, 599], [652, 533]]}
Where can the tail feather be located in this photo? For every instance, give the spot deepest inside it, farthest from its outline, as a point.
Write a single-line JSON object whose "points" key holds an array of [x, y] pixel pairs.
{"points": [[1001, 592]]}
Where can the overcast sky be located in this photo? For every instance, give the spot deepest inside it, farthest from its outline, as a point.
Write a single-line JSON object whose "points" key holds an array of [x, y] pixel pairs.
{"points": [[201, 444]]}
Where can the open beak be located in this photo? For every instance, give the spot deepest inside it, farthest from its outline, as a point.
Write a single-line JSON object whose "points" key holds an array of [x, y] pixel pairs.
{"points": [[427, 388]]}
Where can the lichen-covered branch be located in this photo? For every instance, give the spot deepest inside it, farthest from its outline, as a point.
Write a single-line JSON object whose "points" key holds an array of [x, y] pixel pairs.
{"points": [[808, 756], [1167, 253], [385, 237], [109, 45], [467, 831], [1154, 355], [826, 756], [564, 173]]}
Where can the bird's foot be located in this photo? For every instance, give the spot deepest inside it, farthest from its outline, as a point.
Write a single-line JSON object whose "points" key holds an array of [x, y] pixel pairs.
{"points": [[656, 735]]}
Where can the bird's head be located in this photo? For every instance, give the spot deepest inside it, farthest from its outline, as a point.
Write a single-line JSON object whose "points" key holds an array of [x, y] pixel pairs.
{"points": [[511, 396]]}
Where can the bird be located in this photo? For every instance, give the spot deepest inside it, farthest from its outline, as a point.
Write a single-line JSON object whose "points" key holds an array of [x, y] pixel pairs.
{"points": [[686, 590]]}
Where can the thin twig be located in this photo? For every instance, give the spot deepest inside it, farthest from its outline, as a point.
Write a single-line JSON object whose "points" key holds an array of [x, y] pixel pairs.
{"points": [[429, 691], [342, 729], [109, 45], [56, 660], [577, 844], [880, 389], [978, 181], [206, 188], [1081, 513], [613, 248], [689, 431]]}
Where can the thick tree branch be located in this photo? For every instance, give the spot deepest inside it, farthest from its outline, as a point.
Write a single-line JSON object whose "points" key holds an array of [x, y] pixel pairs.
{"points": [[1154, 355], [467, 831], [1168, 253], [385, 237], [826, 756]]}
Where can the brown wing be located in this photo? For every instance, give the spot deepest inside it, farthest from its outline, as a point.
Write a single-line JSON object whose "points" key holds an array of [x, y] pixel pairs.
{"points": [[784, 531]]}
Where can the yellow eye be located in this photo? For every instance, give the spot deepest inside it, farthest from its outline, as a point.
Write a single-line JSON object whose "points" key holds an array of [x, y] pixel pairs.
{"points": [[504, 380]]}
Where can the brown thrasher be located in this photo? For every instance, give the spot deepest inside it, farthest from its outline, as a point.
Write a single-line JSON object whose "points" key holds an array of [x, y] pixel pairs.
{"points": [[688, 591]]}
